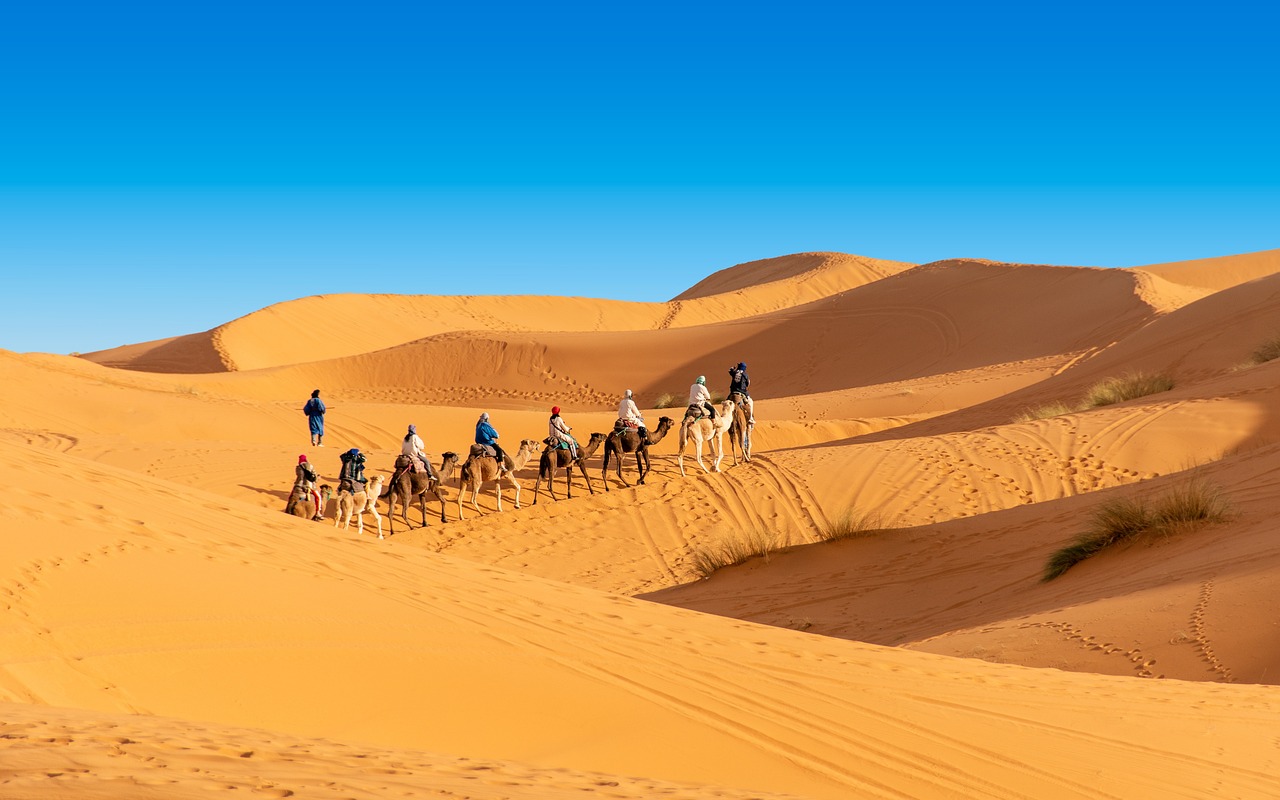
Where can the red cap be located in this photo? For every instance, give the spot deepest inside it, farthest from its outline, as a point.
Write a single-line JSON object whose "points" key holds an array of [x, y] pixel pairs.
{"points": [[555, 410], [301, 459]]}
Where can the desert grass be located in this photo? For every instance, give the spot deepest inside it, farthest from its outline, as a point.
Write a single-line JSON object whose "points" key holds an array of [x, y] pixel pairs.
{"points": [[664, 400], [852, 524], [1055, 409], [1184, 508], [1127, 387], [735, 548], [1267, 351]]}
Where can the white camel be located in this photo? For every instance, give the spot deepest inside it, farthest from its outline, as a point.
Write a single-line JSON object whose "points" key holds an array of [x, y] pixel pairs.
{"points": [[706, 430], [359, 503]]}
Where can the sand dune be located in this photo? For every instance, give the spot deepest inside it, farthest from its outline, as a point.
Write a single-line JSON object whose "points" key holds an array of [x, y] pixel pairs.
{"points": [[167, 632]]}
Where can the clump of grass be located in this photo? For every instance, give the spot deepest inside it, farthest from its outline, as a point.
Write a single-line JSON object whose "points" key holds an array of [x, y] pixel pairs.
{"points": [[1184, 508], [852, 524], [1127, 387], [664, 400], [186, 388], [1267, 351], [1055, 409], [733, 549], [717, 397]]}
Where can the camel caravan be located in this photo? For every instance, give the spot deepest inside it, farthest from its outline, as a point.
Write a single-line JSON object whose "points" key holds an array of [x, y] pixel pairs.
{"points": [[414, 477]]}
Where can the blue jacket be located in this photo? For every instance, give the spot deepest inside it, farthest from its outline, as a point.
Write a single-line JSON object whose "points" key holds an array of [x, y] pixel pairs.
{"points": [[314, 407], [485, 434], [738, 380]]}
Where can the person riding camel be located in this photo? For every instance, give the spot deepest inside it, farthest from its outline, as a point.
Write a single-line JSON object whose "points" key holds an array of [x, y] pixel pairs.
{"points": [[558, 433], [700, 397], [739, 382], [351, 477], [305, 478], [415, 450], [487, 436], [628, 413]]}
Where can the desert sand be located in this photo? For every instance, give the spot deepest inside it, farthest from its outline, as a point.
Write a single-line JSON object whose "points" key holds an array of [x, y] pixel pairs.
{"points": [[167, 632]]}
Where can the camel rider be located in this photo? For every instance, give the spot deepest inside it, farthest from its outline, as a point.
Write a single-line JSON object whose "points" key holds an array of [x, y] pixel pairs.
{"points": [[700, 398], [627, 412], [739, 382], [351, 478], [486, 435], [558, 433], [414, 449], [305, 478]]}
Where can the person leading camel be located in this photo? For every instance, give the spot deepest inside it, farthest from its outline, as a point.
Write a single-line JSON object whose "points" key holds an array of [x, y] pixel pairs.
{"points": [[627, 412], [416, 451], [488, 436], [314, 409], [558, 432], [739, 382], [700, 397], [305, 478], [351, 478]]}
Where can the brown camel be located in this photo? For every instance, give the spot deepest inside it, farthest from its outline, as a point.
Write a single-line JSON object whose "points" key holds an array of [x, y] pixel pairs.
{"points": [[547, 469], [479, 469], [302, 504], [405, 485], [628, 441], [706, 430], [739, 430], [359, 503]]}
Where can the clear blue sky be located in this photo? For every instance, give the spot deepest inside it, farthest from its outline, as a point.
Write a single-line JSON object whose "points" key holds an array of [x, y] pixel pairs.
{"points": [[166, 167]]}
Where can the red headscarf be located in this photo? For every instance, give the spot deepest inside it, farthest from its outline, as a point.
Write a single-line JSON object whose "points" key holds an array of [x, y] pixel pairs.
{"points": [[301, 459], [555, 410]]}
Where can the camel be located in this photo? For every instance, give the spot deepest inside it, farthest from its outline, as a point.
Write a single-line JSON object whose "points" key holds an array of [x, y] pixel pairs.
{"points": [[547, 469], [359, 503], [302, 504], [628, 441], [706, 430], [405, 485], [739, 430], [479, 469]]}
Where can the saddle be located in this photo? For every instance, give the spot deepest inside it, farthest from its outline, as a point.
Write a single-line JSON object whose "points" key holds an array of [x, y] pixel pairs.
{"points": [[625, 425], [696, 411], [555, 444], [483, 451]]}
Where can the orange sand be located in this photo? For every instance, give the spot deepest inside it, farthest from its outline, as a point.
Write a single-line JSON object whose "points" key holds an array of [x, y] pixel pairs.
{"points": [[165, 632]]}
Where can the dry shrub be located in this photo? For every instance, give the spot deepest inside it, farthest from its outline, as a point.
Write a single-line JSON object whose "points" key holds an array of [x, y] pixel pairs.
{"points": [[1126, 519], [664, 400], [1055, 409], [1267, 351], [1127, 387], [852, 524], [735, 548]]}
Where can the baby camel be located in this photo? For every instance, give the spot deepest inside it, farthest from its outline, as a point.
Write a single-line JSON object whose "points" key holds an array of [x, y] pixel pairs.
{"points": [[358, 504]]}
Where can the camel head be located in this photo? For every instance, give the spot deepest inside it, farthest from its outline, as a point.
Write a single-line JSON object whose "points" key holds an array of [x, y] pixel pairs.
{"points": [[594, 442], [448, 463], [529, 446]]}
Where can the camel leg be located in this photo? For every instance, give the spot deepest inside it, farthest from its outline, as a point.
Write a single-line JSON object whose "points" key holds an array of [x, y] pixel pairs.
{"points": [[582, 466], [516, 484], [643, 466], [377, 518], [717, 450], [440, 497], [639, 469], [568, 481], [604, 473], [697, 449]]}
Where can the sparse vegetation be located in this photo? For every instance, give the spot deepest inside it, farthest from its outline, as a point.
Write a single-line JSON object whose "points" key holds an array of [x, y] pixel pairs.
{"points": [[851, 525], [186, 388], [1127, 387], [1183, 508], [735, 548], [664, 400], [1268, 350], [1055, 409], [717, 397]]}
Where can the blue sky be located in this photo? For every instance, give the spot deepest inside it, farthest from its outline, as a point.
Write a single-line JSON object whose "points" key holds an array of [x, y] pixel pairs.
{"points": [[166, 167]]}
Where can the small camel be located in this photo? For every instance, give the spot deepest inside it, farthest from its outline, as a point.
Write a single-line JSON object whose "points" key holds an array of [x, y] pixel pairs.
{"points": [[628, 441], [405, 485], [739, 430], [552, 460], [479, 469], [706, 430], [301, 503], [359, 503]]}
